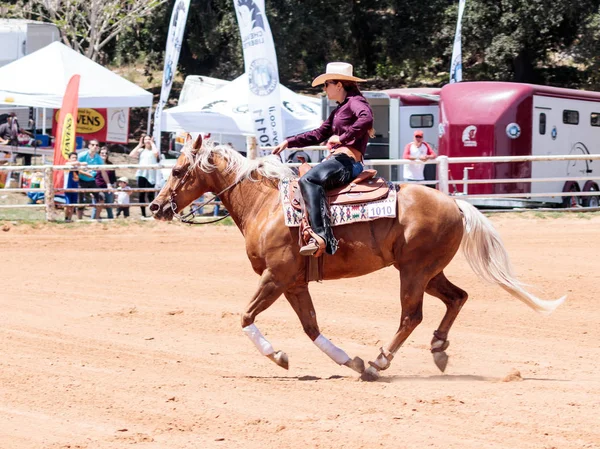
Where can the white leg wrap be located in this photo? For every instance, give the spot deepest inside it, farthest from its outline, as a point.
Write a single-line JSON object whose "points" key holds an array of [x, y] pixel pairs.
{"points": [[437, 344], [261, 343], [381, 361], [336, 354]]}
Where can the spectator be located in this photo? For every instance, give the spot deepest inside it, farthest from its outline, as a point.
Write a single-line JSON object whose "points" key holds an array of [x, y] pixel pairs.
{"points": [[88, 181], [9, 134], [109, 196], [420, 151], [72, 182], [9, 131], [123, 193], [147, 153], [6, 131]]}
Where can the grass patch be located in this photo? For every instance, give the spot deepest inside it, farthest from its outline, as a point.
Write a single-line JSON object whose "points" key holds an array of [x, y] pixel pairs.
{"points": [[29, 215], [553, 215], [226, 222]]}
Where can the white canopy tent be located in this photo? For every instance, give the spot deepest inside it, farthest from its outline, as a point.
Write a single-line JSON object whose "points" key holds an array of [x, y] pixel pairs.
{"points": [[40, 79], [226, 111]]}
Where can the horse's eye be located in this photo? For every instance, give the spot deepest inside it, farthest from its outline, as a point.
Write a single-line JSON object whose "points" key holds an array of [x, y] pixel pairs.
{"points": [[176, 172]]}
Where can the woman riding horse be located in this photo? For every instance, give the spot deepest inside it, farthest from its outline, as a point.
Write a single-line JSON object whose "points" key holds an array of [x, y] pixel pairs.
{"points": [[347, 130], [420, 241]]}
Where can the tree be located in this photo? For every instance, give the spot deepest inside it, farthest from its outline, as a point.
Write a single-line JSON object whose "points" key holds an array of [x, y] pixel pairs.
{"points": [[89, 25], [516, 40]]}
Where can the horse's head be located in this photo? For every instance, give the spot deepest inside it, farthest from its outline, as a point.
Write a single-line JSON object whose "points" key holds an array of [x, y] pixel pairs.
{"points": [[183, 186]]}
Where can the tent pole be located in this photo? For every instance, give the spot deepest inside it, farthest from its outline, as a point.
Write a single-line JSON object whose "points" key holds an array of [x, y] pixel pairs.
{"points": [[149, 118], [44, 121]]}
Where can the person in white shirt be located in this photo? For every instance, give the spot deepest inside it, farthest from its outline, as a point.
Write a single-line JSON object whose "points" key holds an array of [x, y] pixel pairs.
{"points": [[123, 193], [417, 150], [147, 153]]}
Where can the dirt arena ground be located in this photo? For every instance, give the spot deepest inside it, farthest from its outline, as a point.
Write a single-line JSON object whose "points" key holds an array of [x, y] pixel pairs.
{"points": [[128, 333]]}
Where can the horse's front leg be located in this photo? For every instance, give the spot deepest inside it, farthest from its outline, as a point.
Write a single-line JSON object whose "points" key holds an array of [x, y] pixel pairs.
{"points": [[300, 300], [268, 292]]}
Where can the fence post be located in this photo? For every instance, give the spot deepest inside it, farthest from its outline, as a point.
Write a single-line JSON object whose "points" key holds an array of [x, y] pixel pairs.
{"points": [[442, 174], [49, 193]]}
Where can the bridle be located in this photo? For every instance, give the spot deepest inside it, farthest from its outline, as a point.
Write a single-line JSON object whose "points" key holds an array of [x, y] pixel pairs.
{"points": [[190, 216]]}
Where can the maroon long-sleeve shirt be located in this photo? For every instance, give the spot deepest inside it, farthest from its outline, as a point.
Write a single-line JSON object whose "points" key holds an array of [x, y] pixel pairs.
{"points": [[351, 120]]}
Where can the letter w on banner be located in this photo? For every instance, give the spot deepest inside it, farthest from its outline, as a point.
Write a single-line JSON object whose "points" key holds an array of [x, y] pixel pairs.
{"points": [[456, 64], [260, 62], [66, 130], [174, 40]]}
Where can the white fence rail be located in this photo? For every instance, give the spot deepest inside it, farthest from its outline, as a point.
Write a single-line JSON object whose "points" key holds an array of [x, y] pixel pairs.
{"points": [[442, 182]]}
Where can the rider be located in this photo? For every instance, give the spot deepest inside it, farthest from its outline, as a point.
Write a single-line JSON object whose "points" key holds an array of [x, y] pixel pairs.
{"points": [[347, 131]]}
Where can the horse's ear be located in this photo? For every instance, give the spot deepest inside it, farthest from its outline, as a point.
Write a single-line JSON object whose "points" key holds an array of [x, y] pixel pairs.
{"points": [[198, 143]]}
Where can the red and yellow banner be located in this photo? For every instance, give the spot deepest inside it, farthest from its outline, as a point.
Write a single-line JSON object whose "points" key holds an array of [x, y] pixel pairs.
{"points": [[103, 124], [64, 142]]}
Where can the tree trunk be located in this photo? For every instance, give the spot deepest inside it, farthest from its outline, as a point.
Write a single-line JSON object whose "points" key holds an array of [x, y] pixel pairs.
{"points": [[524, 71]]}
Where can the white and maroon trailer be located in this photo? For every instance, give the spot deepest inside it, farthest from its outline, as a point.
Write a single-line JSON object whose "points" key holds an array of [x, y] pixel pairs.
{"points": [[397, 114], [511, 119]]}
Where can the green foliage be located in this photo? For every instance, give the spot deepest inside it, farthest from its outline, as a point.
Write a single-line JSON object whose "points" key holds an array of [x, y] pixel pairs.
{"points": [[394, 42], [519, 40]]}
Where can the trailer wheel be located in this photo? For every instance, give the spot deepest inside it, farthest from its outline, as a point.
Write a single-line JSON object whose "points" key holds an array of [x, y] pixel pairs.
{"points": [[571, 201], [590, 201]]}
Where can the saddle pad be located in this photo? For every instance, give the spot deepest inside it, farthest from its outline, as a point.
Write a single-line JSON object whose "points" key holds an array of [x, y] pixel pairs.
{"points": [[342, 214]]}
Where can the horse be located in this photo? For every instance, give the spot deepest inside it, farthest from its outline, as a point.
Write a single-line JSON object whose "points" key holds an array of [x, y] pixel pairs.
{"points": [[428, 230]]}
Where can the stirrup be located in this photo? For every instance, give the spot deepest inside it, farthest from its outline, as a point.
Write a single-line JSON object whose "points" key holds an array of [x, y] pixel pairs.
{"points": [[315, 247]]}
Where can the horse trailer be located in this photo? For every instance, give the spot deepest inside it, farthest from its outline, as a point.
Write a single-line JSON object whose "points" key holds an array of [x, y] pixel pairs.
{"points": [[20, 38], [486, 118], [512, 119]]}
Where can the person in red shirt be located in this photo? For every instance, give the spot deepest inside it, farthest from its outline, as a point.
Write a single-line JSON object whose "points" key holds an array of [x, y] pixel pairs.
{"points": [[346, 131], [417, 150]]}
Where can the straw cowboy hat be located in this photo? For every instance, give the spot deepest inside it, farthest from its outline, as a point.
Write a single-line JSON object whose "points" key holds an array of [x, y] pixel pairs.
{"points": [[340, 71], [123, 179]]}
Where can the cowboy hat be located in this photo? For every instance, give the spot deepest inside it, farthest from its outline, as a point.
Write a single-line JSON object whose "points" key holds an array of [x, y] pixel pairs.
{"points": [[123, 179], [341, 71]]}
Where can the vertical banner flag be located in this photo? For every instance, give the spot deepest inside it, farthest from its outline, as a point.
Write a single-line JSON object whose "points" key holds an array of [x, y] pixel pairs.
{"points": [[260, 63], [174, 39], [456, 64], [64, 142]]}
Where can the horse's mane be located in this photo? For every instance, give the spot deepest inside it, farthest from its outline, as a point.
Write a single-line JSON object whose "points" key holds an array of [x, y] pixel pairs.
{"points": [[269, 167]]}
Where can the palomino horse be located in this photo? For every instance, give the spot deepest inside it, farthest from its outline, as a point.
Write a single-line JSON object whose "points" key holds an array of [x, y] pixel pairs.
{"points": [[420, 242]]}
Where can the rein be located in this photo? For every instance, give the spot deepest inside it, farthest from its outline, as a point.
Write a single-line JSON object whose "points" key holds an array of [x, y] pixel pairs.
{"points": [[190, 216]]}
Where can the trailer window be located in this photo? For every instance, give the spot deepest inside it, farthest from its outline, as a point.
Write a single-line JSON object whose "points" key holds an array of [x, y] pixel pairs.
{"points": [[542, 123], [421, 121], [570, 117], [595, 119]]}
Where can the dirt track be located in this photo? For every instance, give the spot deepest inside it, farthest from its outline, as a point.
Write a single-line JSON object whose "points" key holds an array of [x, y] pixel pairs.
{"points": [[112, 335]]}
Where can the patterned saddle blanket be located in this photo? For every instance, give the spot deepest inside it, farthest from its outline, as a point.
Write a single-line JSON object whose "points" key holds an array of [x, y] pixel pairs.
{"points": [[364, 199]]}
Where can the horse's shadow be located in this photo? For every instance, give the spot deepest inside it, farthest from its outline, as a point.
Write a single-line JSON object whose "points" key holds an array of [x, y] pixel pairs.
{"points": [[462, 378], [407, 377], [296, 378]]}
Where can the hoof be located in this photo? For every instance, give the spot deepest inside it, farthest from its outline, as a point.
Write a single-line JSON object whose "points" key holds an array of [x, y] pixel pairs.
{"points": [[370, 374], [280, 358], [356, 364], [441, 360]]}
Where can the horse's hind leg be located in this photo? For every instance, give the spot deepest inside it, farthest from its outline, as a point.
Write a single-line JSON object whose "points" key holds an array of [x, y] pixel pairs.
{"points": [[411, 298], [454, 298], [300, 300], [268, 292]]}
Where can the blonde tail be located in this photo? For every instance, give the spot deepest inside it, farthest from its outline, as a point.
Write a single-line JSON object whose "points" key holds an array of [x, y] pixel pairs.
{"points": [[488, 258]]}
